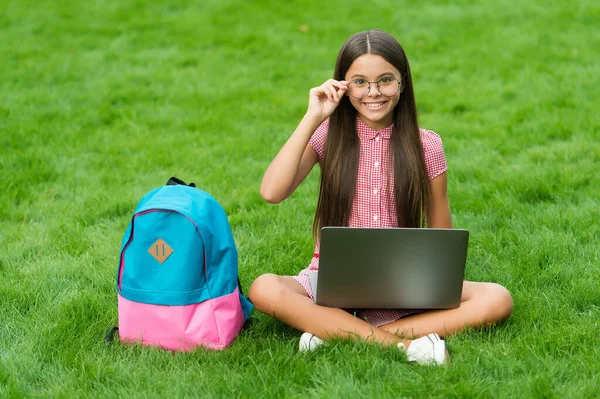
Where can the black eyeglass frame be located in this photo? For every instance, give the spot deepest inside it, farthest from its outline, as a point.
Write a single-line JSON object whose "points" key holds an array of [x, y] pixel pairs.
{"points": [[378, 89]]}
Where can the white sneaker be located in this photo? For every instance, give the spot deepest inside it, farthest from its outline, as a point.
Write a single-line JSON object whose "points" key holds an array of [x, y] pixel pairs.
{"points": [[309, 342], [427, 350]]}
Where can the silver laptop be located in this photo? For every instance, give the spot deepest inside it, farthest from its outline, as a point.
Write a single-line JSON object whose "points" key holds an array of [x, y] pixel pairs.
{"points": [[395, 268]]}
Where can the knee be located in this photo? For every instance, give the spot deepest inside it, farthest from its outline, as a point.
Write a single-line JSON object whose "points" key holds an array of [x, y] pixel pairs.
{"points": [[264, 290], [499, 303]]}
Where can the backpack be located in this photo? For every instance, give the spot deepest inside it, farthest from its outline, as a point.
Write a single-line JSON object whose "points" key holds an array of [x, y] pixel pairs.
{"points": [[177, 281]]}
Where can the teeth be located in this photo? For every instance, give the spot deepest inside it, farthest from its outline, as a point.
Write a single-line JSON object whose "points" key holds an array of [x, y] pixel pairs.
{"points": [[373, 105]]}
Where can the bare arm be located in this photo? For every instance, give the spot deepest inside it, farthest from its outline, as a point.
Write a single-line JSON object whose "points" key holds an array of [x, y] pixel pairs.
{"points": [[292, 164], [439, 213], [296, 158]]}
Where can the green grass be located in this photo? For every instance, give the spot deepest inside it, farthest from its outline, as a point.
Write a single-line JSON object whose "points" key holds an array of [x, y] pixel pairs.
{"points": [[102, 101]]}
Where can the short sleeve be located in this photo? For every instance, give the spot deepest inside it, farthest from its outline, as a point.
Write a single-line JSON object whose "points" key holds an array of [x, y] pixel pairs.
{"points": [[435, 160], [317, 141]]}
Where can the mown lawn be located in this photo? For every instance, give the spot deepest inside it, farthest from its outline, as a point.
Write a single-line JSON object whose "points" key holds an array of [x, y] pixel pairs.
{"points": [[102, 101]]}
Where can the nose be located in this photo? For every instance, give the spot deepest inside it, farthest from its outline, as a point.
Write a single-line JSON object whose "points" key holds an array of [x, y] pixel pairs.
{"points": [[374, 93]]}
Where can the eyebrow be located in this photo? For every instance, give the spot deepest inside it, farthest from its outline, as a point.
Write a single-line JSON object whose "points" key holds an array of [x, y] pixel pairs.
{"points": [[378, 77]]}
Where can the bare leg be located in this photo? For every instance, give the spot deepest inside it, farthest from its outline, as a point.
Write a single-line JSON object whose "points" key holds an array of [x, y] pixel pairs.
{"points": [[284, 298], [481, 304]]}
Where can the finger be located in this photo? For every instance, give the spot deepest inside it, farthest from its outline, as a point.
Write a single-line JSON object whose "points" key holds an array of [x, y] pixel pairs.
{"points": [[327, 93], [340, 84], [333, 92], [336, 84], [340, 93], [320, 92], [327, 85]]}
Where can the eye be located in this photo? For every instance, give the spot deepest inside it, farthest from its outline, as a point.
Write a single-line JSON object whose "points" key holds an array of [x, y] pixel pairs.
{"points": [[386, 80], [359, 82]]}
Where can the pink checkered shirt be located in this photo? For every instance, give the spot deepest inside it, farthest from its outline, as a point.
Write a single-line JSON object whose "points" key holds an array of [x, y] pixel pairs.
{"points": [[374, 198], [373, 204]]}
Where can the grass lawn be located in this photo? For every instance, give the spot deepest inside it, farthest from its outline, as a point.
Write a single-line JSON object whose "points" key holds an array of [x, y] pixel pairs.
{"points": [[102, 101]]}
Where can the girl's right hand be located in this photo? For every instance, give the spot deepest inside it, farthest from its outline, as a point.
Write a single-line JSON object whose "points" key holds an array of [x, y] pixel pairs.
{"points": [[324, 99]]}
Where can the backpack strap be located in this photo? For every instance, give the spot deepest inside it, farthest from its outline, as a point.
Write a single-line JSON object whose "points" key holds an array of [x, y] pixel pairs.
{"points": [[109, 335], [250, 320], [173, 181], [240, 286]]}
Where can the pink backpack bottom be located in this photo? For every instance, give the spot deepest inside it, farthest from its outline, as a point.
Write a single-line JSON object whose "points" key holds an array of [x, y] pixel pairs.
{"points": [[212, 324]]}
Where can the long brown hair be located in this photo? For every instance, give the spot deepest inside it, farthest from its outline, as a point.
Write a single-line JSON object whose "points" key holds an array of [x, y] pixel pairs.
{"points": [[339, 166]]}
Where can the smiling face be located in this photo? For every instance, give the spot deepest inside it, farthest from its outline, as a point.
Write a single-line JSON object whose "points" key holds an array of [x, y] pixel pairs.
{"points": [[376, 110]]}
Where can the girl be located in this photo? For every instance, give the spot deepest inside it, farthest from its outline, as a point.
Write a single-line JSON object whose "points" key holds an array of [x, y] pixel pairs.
{"points": [[378, 169]]}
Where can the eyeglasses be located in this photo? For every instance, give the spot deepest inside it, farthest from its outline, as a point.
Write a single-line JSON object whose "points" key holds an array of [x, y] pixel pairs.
{"points": [[360, 88]]}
